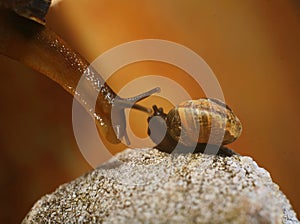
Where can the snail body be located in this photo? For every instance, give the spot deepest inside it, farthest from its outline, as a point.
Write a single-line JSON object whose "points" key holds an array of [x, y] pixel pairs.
{"points": [[195, 123], [35, 45]]}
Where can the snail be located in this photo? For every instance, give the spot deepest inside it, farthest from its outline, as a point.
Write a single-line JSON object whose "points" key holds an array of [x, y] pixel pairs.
{"points": [[25, 39], [191, 124]]}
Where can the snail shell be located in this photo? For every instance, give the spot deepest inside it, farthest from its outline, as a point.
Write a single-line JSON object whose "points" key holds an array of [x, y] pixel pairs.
{"points": [[31, 9], [194, 120]]}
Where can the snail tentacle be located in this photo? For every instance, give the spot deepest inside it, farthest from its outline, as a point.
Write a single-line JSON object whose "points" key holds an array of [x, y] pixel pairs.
{"points": [[131, 102], [118, 112], [41, 49]]}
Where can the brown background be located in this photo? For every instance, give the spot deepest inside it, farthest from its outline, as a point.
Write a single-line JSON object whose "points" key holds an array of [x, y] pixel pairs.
{"points": [[252, 47]]}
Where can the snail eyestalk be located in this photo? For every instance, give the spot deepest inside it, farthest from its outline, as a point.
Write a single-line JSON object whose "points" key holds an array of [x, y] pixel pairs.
{"points": [[158, 112], [144, 95], [41, 49], [131, 102], [118, 112]]}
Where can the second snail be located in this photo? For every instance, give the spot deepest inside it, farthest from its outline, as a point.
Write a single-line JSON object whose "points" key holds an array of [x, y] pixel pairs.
{"points": [[193, 124]]}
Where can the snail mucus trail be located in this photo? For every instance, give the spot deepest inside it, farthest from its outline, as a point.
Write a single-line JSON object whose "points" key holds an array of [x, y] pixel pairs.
{"points": [[25, 39]]}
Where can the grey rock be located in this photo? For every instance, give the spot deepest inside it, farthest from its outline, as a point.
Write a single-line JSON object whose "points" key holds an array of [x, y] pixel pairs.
{"points": [[148, 186]]}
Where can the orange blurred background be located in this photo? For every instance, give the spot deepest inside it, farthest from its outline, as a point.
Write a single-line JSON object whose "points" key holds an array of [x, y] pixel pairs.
{"points": [[252, 47]]}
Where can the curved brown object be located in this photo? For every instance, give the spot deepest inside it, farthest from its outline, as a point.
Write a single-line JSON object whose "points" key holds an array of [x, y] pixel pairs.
{"points": [[32, 9], [43, 50], [193, 124], [197, 119]]}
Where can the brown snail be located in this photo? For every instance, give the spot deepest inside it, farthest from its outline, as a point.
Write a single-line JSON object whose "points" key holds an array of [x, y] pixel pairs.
{"points": [[193, 124], [25, 39]]}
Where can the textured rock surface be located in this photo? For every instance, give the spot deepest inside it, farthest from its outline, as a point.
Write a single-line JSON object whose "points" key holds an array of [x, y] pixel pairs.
{"points": [[148, 186]]}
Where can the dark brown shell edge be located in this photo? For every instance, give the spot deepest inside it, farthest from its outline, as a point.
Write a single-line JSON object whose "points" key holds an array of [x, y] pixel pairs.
{"points": [[168, 145], [34, 9], [31, 9]]}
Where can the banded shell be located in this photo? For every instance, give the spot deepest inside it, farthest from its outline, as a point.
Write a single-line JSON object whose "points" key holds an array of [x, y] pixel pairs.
{"points": [[195, 120]]}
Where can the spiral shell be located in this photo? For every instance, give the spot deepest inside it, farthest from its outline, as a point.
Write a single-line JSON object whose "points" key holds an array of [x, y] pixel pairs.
{"points": [[203, 120]]}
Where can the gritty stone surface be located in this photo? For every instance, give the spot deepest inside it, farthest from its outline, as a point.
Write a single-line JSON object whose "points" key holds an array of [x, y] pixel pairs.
{"points": [[148, 186]]}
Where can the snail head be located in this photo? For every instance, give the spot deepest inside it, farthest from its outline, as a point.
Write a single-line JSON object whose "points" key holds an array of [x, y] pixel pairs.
{"points": [[157, 126], [118, 117]]}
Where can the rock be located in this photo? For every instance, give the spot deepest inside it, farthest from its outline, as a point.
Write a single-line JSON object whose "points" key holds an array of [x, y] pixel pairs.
{"points": [[148, 186]]}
